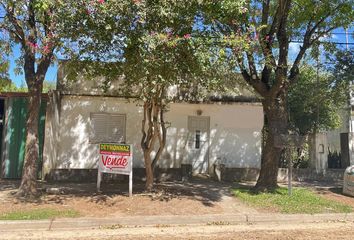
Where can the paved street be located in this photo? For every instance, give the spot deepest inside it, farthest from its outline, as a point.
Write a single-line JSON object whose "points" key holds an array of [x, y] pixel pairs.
{"points": [[267, 231], [233, 220]]}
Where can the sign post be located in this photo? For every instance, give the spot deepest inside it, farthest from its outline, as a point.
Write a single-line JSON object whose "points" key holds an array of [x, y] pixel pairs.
{"points": [[289, 141], [115, 159]]}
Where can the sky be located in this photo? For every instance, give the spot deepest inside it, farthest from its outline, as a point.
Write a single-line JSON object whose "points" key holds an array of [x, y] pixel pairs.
{"points": [[337, 36]]}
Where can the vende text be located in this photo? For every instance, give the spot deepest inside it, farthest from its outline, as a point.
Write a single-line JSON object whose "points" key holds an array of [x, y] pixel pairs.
{"points": [[114, 162]]}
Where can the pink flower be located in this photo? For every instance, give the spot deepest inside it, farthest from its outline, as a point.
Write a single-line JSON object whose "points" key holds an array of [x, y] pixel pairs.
{"points": [[101, 1], [46, 49], [187, 36], [32, 45]]}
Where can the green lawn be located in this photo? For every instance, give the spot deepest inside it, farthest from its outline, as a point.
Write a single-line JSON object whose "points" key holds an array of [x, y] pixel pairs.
{"points": [[301, 201], [37, 214]]}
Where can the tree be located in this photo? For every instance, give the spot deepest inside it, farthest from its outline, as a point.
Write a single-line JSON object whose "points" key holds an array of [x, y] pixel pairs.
{"points": [[152, 49], [343, 69], [267, 29], [4, 66], [34, 26], [4, 77], [314, 102], [161, 53]]}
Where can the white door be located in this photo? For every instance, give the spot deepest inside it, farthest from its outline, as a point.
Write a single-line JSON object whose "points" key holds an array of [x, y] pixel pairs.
{"points": [[198, 143]]}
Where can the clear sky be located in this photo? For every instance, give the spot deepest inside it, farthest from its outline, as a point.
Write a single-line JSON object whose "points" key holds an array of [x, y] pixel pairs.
{"points": [[337, 36]]}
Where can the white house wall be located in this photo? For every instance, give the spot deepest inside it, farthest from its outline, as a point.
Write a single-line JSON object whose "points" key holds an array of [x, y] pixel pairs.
{"points": [[235, 132], [333, 136]]}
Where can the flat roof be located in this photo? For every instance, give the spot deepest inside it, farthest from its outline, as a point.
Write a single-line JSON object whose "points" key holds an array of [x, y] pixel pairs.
{"points": [[18, 94]]}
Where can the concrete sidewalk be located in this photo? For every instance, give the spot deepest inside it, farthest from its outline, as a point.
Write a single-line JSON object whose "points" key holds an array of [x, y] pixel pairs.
{"points": [[175, 220]]}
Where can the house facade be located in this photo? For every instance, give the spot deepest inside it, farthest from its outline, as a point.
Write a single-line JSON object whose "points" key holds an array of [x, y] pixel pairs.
{"points": [[199, 135]]}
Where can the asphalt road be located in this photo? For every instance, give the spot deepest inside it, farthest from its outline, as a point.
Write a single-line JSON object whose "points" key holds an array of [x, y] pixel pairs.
{"points": [[216, 230]]}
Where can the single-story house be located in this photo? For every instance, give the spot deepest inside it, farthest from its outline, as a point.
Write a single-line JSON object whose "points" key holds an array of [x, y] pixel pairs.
{"points": [[220, 131], [80, 115]]}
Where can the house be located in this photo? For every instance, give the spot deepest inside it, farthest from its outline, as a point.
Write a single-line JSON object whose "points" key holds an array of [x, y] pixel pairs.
{"points": [[80, 115], [224, 131]]}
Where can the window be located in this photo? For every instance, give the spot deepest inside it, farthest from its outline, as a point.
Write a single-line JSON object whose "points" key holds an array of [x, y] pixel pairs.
{"points": [[107, 128], [197, 139]]}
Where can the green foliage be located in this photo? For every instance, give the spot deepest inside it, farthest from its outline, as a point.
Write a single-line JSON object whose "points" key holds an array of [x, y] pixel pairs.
{"points": [[4, 66], [4, 78], [343, 69], [301, 201], [151, 44], [38, 214], [11, 87], [314, 102], [49, 85]]}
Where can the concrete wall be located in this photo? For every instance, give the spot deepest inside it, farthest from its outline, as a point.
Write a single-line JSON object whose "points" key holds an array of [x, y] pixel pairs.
{"points": [[235, 132], [319, 152], [333, 136]]}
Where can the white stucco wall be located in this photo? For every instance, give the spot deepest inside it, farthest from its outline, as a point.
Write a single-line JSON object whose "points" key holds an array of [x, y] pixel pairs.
{"points": [[235, 132], [333, 136]]}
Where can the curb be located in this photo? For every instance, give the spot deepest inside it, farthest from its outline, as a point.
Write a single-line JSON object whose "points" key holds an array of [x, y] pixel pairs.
{"points": [[169, 220]]}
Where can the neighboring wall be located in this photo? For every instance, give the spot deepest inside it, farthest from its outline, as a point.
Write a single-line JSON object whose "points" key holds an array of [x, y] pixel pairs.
{"points": [[333, 136], [235, 132]]}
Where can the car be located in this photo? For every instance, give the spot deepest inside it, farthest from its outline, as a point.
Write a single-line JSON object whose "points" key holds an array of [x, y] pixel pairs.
{"points": [[348, 184]]}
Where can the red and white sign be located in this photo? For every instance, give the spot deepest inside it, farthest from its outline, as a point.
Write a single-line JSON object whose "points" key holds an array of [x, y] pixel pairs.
{"points": [[116, 159]]}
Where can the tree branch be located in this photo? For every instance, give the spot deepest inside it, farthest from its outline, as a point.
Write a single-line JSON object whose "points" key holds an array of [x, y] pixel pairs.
{"points": [[257, 85], [19, 32], [307, 42], [266, 39]]}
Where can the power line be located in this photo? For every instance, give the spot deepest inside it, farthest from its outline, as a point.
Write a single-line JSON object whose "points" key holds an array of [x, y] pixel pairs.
{"points": [[337, 43], [341, 33]]}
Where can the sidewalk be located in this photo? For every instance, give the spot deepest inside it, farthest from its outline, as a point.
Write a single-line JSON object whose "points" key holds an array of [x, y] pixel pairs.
{"points": [[148, 221]]}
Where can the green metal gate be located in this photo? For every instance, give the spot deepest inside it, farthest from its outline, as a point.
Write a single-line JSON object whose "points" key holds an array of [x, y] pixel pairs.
{"points": [[15, 136]]}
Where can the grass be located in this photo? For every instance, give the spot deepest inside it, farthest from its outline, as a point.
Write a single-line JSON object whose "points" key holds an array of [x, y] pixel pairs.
{"points": [[301, 201], [37, 214]]}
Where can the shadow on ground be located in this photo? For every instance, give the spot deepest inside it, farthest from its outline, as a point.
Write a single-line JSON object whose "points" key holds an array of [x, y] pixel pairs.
{"points": [[202, 189]]}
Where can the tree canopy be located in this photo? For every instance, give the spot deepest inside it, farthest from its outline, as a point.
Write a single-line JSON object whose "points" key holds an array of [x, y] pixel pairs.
{"points": [[315, 102], [259, 34]]}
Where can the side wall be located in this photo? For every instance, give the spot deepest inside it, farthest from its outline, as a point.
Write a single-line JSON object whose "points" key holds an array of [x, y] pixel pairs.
{"points": [[235, 132]]}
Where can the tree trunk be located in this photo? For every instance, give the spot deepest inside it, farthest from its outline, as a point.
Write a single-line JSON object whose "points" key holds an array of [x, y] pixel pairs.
{"points": [[276, 123], [28, 187], [153, 130], [149, 172]]}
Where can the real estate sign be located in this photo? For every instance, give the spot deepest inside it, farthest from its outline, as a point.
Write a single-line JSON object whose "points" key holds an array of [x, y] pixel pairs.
{"points": [[115, 159]]}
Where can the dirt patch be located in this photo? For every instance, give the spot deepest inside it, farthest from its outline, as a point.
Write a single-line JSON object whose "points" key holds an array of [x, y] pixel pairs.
{"points": [[192, 198], [336, 195]]}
